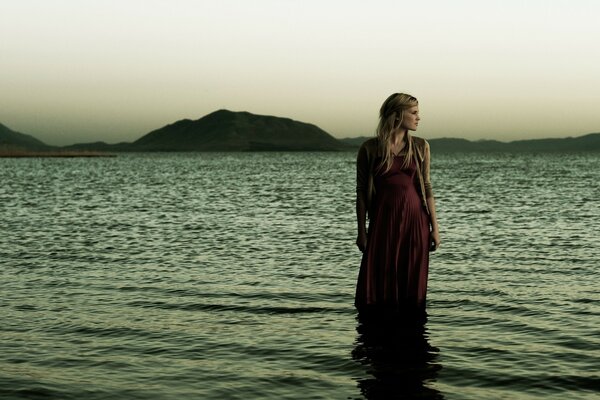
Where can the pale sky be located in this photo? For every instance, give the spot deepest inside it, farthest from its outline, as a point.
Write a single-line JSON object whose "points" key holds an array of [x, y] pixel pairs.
{"points": [[112, 70]]}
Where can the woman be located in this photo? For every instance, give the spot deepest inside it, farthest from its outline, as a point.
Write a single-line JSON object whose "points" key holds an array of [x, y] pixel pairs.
{"points": [[394, 190]]}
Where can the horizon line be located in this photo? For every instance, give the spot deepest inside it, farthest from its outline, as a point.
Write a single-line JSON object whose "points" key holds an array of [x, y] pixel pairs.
{"points": [[337, 138]]}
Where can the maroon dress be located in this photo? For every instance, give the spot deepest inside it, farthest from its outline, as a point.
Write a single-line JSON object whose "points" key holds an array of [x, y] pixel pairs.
{"points": [[394, 267]]}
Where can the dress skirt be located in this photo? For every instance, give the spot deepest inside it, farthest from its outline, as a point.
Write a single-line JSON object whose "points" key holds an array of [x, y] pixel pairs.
{"points": [[395, 264]]}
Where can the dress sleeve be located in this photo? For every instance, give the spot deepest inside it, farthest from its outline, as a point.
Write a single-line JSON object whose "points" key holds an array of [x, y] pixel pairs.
{"points": [[362, 170], [426, 172]]}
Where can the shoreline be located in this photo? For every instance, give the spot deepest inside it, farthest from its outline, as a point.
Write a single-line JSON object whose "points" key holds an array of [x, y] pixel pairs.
{"points": [[54, 154]]}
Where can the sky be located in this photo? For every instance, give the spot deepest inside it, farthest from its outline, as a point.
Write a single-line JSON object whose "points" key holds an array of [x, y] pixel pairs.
{"points": [[74, 71]]}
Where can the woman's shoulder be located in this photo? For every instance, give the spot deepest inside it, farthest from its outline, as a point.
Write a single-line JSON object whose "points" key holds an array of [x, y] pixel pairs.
{"points": [[370, 146], [371, 142], [419, 141], [421, 144]]}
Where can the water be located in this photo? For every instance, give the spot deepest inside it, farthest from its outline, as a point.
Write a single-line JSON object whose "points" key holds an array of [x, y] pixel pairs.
{"points": [[232, 276]]}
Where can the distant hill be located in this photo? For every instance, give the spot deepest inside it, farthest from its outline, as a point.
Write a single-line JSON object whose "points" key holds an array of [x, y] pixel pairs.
{"points": [[12, 140], [443, 144], [590, 142], [101, 146], [226, 130], [355, 141], [460, 145]]}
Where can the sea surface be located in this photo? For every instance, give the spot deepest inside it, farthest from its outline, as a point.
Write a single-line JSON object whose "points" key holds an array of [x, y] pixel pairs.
{"points": [[232, 276]]}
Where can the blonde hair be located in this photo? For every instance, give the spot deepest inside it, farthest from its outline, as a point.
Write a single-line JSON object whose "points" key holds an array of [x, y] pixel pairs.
{"points": [[391, 116]]}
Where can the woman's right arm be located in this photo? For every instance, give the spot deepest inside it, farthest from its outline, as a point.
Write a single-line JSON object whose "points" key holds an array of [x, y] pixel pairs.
{"points": [[435, 230], [362, 182]]}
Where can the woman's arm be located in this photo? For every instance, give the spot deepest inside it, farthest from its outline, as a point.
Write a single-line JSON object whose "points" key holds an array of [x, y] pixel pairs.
{"points": [[435, 231], [361, 217], [362, 181]]}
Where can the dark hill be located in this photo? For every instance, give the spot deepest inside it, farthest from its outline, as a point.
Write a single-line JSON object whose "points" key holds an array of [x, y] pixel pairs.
{"points": [[12, 140], [355, 141], [589, 142], [225, 130], [101, 146], [443, 144], [462, 145]]}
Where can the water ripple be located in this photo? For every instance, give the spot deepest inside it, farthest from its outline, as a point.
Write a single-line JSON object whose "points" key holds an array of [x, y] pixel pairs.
{"points": [[170, 276]]}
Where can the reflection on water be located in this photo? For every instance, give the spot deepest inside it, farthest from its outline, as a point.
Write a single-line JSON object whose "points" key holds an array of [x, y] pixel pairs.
{"points": [[395, 350]]}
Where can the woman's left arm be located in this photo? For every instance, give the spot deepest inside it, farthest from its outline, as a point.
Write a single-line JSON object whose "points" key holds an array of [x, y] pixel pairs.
{"points": [[435, 230]]}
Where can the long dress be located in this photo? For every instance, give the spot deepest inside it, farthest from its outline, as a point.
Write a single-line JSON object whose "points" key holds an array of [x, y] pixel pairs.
{"points": [[395, 264]]}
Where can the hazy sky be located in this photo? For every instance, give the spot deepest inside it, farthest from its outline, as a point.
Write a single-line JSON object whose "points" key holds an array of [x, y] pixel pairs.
{"points": [[81, 70]]}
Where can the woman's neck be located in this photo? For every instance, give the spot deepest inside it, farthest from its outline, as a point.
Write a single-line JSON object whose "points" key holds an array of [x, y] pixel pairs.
{"points": [[397, 142], [398, 137]]}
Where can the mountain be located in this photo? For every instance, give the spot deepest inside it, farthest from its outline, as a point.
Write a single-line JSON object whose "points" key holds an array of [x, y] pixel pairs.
{"points": [[225, 130], [355, 141], [11, 140], [443, 144], [101, 146], [590, 142]]}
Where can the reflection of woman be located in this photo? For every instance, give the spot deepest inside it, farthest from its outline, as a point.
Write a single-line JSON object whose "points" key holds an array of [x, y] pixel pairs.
{"points": [[394, 190], [399, 361]]}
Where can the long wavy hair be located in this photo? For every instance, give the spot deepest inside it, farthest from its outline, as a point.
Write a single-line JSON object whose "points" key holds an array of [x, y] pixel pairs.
{"points": [[391, 116]]}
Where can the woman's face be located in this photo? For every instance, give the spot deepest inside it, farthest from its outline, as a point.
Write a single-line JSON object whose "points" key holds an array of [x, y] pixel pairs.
{"points": [[410, 119]]}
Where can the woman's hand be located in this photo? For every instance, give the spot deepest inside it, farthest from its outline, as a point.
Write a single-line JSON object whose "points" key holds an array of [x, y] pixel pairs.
{"points": [[435, 240], [361, 241]]}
